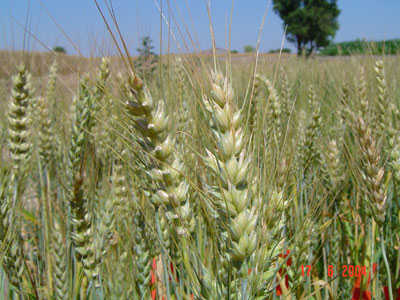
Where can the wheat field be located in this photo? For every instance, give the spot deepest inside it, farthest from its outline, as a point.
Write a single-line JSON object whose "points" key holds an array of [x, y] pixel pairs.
{"points": [[207, 178]]}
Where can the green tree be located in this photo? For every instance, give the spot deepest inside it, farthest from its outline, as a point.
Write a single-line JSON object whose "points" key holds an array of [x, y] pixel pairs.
{"points": [[249, 49], [60, 49], [311, 24], [147, 60]]}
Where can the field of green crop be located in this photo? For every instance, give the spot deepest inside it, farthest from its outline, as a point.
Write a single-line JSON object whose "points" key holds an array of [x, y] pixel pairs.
{"points": [[207, 178], [389, 47]]}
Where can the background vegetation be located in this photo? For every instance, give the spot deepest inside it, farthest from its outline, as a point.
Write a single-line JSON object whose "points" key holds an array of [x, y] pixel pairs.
{"points": [[309, 24], [389, 47]]}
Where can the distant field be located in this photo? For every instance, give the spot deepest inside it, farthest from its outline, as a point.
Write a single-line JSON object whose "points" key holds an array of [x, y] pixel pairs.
{"points": [[390, 47]]}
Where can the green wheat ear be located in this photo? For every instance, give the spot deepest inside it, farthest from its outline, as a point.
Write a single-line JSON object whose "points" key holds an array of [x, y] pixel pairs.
{"points": [[60, 262], [308, 150], [171, 194], [19, 120], [230, 164], [100, 90], [80, 219], [286, 94], [45, 131], [371, 172], [273, 121], [382, 100]]}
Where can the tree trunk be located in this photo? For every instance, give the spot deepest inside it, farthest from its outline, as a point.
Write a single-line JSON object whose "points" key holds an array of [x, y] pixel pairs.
{"points": [[299, 47], [312, 47]]}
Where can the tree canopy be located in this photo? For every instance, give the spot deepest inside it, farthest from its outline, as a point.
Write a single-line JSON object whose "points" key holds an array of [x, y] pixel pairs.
{"points": [[60, 49], [249, 49], [147, 60], [311, 24]]}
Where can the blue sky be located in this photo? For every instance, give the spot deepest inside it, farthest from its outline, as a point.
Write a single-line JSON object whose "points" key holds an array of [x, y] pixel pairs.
{"points": [[82, 23]]}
